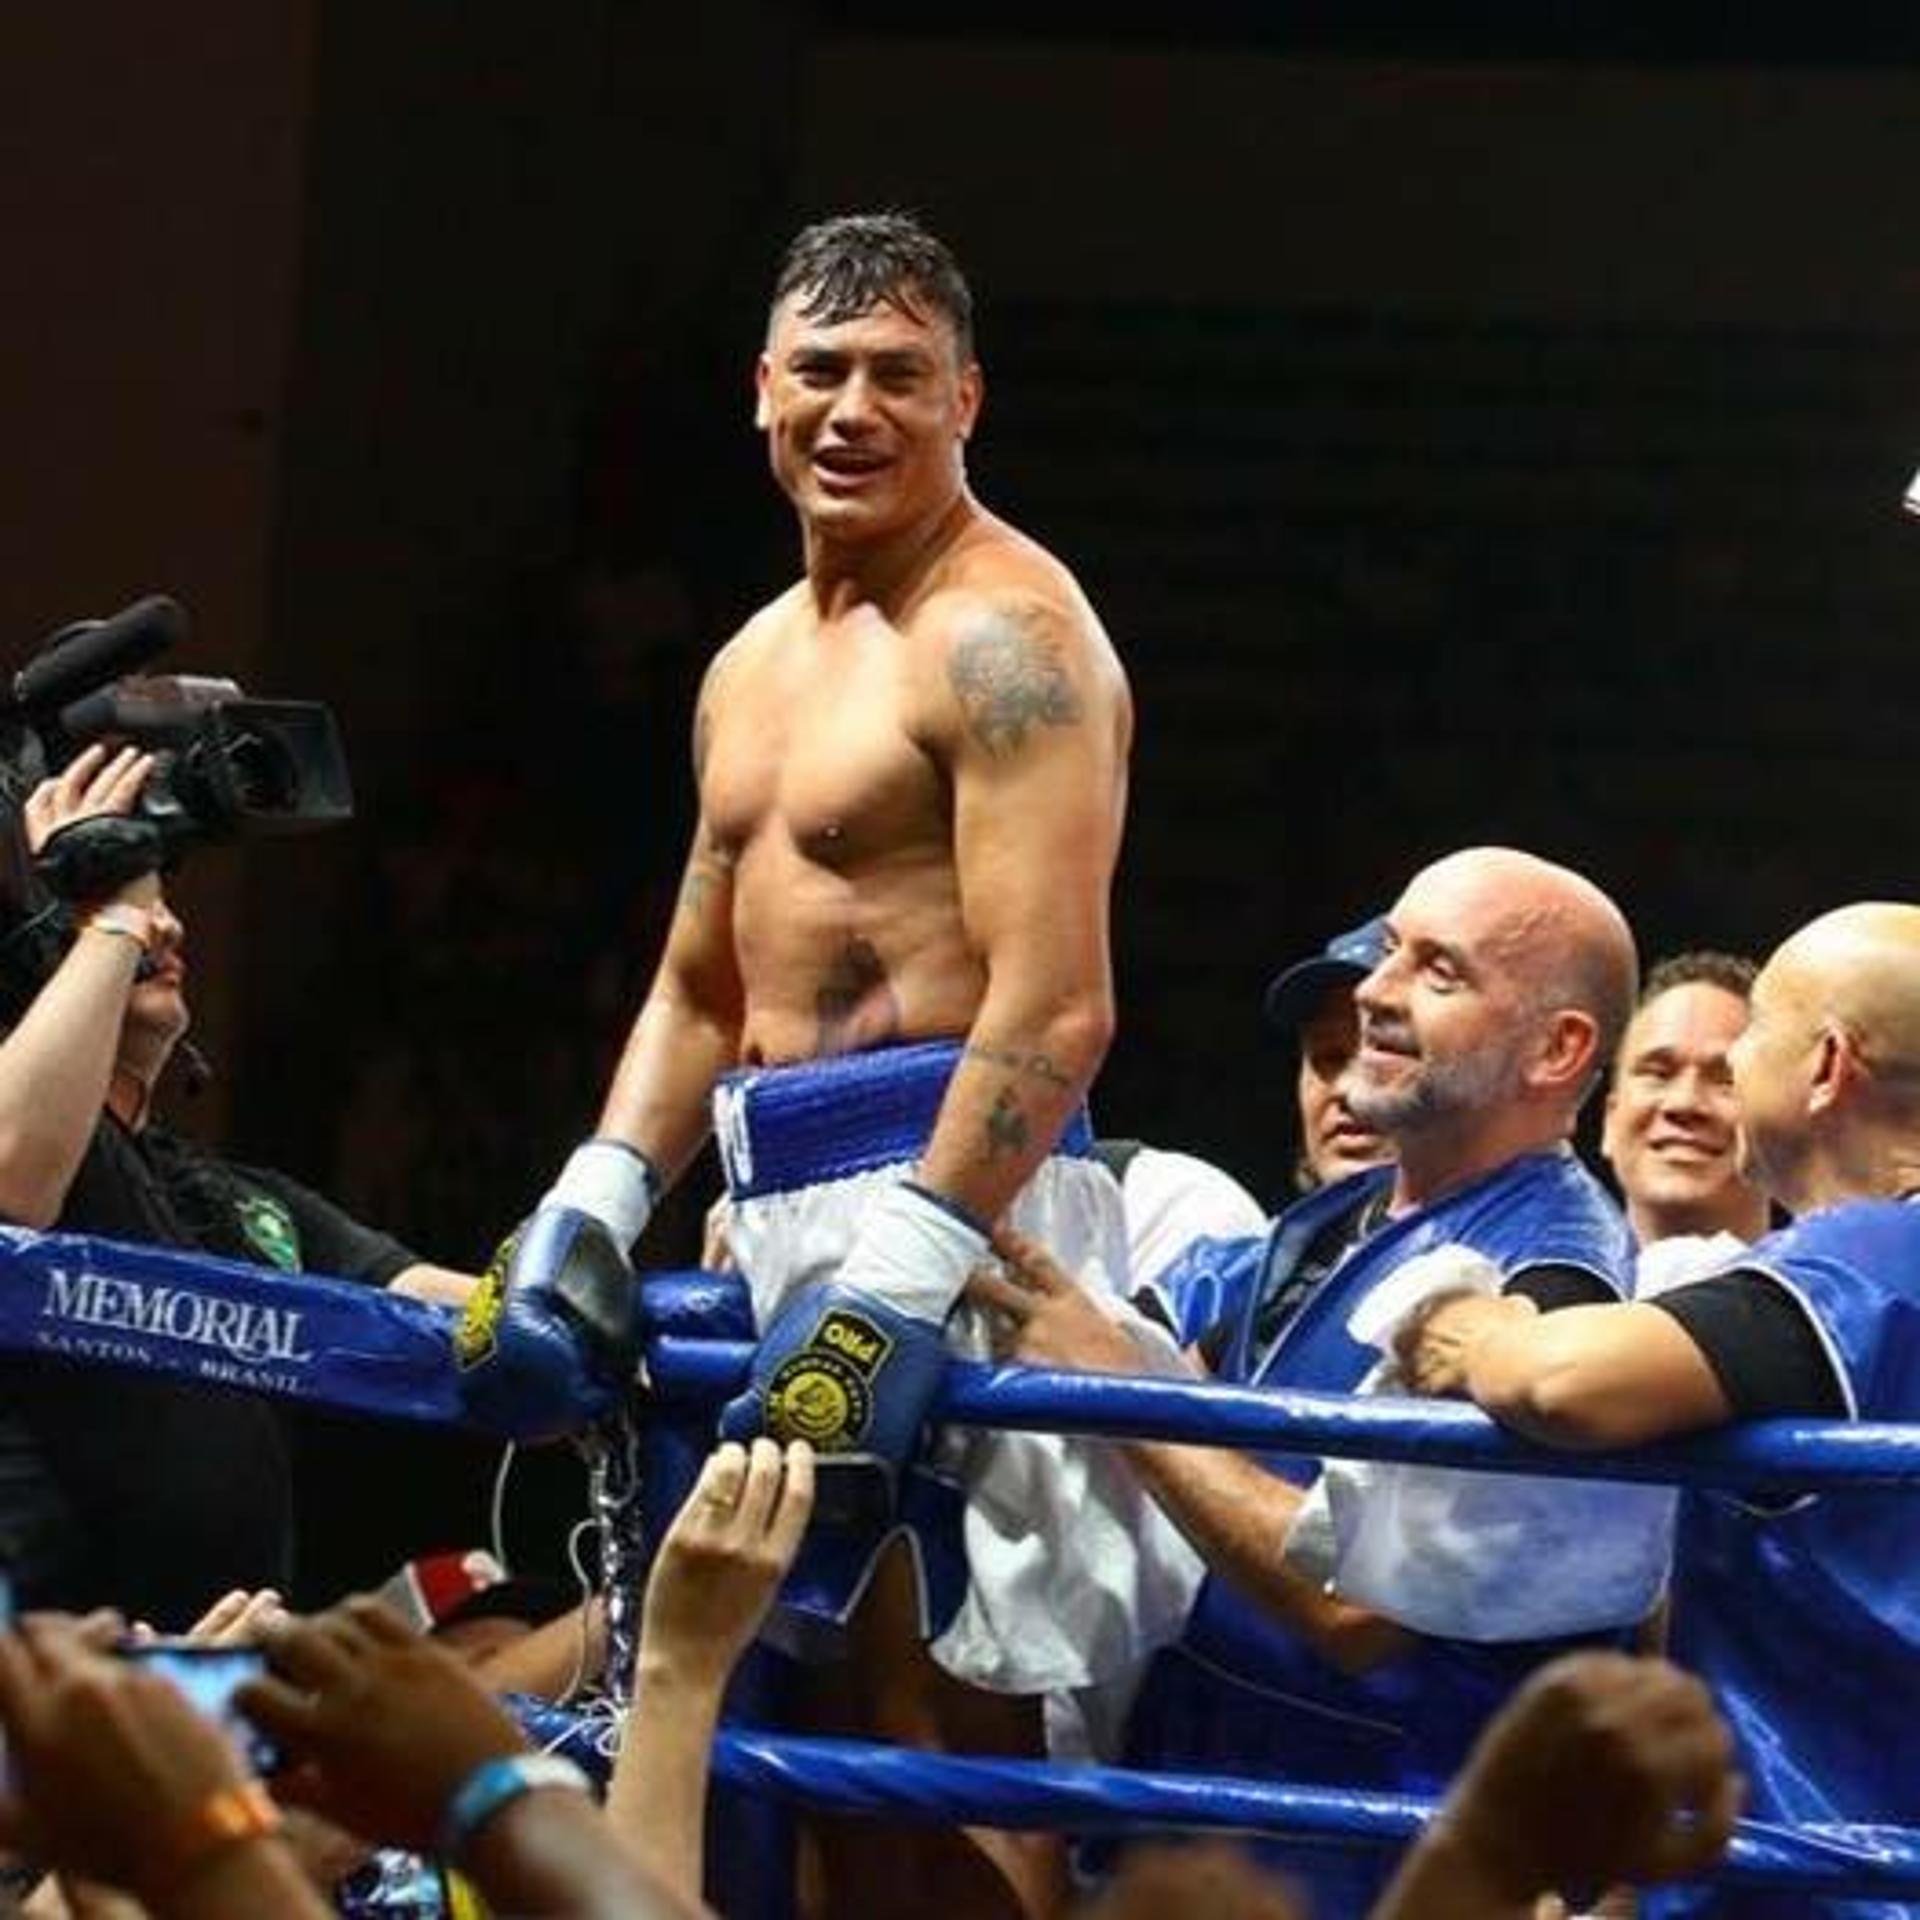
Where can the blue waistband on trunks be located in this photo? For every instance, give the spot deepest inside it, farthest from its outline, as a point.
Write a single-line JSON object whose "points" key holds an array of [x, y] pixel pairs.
{"points": [[785, 1127]]}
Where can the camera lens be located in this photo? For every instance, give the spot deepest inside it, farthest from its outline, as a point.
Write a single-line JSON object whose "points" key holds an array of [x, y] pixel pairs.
{"points": [[263, 776]]}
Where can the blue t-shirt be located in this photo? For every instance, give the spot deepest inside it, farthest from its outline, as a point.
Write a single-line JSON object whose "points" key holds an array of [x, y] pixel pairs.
{"points": [[1240, 1693], [1805, 1622]]}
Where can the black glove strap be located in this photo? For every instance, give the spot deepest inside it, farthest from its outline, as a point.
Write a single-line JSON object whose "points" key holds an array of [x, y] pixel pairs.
{"points": [[88, 859]]}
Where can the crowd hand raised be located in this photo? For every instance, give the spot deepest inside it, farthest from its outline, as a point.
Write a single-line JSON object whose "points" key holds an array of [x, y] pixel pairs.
{"points": [[1434, 1347], [239, 1618], [1043, 1317], [108, 1756], [379, 1726], [1602, 1769], [93, 783], [723, 1559]]}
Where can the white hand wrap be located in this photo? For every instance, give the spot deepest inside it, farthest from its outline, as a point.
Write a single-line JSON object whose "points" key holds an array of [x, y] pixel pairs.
{"points": [[914, 1253], [615, 1183]]}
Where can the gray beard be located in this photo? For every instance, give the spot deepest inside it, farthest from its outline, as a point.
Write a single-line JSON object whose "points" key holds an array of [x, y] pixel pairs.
{"points": [[1439, 1090]]}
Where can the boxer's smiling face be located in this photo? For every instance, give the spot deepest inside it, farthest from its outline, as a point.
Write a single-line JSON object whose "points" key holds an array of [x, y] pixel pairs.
{"points": [[866, 418]]}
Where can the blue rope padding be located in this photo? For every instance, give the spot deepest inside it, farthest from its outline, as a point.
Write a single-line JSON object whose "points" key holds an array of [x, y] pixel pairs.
{"points": [[1771, 1456], [354, 1348], [851, 1776], [80, 1299]]}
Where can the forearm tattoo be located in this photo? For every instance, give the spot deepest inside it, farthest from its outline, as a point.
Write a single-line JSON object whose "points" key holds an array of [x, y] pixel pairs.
{"points": [[1007, 1131], [1040, 1065], [1009, 678]]}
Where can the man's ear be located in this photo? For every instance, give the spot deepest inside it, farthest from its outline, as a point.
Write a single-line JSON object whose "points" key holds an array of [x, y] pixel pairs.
{"points": [[1567, 1052], [1839, 1069], [973, 394], [762, 374]]}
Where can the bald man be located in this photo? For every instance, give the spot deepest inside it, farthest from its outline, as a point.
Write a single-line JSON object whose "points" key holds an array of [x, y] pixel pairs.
{"points": [[1803, 1619], [1502, 987]]}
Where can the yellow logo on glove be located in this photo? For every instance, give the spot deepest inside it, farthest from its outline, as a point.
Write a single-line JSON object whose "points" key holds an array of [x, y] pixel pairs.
{"points": [[474, 1337], [823, 1393]]}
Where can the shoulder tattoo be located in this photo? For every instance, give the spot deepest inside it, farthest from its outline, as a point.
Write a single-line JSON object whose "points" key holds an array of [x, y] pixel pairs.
{"points": [[1009, 679]]}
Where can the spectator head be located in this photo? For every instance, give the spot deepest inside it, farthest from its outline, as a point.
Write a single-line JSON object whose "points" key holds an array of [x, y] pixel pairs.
{"points": [[1504, 988], [1828, 1069], [1313, 1000], [1672, 1122]]}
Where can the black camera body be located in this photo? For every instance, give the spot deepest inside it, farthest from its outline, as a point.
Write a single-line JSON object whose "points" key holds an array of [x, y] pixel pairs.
{"points": [[224, 766]]}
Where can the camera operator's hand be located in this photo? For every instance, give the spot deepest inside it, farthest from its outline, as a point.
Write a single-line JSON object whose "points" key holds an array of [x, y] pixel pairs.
{"points": [[93, 783], [59, 1061]]}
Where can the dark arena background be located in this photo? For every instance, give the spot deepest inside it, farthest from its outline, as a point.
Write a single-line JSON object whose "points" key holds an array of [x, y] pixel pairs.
{"points": [[1472, 423]]}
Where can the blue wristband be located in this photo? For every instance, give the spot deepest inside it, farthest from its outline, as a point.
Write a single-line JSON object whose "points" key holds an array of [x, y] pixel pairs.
{"points": [[492, 1784]]}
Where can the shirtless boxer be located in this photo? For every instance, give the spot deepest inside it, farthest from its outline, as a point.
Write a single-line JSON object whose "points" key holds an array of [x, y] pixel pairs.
{"points": [[890, 971]]}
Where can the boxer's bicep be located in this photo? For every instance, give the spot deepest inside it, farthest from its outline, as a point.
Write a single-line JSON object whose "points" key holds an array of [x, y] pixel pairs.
{"points": [[1035, 752], [1038, 784]]}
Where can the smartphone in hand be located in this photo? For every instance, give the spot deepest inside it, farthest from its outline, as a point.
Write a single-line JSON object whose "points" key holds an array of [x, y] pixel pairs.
{"points": [[208, 1676]]}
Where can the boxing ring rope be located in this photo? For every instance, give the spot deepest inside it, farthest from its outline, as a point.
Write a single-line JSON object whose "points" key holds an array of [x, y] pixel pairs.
{"points": [[1764, 1456], [327, 1342], [851, 1776]]}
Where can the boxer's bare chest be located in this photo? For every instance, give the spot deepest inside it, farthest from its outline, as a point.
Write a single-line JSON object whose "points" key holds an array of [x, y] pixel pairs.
{"points": [[816, 747]]}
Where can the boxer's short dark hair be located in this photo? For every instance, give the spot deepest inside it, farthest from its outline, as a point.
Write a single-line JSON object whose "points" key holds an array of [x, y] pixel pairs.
{"points": [[847, 266]]}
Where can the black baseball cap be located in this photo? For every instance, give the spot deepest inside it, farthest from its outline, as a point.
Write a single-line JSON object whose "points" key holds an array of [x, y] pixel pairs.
{"points": [[1344, 961], [531, 1598]]}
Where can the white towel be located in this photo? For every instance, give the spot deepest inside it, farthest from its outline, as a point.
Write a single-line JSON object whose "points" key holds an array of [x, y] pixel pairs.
{"points": [[1476, 1556]]}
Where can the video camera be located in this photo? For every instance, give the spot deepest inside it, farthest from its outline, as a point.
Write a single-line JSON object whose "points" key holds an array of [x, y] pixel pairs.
{"points": [[224, 765]]}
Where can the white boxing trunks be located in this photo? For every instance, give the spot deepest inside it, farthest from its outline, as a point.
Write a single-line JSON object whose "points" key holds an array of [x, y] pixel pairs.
{"points": [[1070, 1571]]}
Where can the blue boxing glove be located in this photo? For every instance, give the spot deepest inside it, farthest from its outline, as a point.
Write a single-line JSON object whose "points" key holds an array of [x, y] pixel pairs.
{"points": [[549, 1339], [853, 1365]]}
